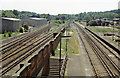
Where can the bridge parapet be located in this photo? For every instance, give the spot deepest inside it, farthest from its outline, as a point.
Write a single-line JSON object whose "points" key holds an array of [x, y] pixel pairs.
{"points": [[39, 60]]}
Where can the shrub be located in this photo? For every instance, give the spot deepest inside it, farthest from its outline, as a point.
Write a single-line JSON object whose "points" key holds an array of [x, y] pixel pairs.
{"points": [[9, 34], [17, 30], [63, 21], [5, 33], [93, 23], [21, 30], [25, 27]]}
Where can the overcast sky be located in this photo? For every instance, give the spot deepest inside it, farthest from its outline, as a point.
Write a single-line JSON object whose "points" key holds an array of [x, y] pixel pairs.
{"points": [[59, 6]]}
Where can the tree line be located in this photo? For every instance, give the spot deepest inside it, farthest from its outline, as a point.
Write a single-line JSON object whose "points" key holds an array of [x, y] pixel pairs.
{"points": [[92, 15], [81, 16]]}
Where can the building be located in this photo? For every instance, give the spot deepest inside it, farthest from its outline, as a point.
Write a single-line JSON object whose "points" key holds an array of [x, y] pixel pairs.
{"points": [[35, 22], [103, 21], [116, 20], [9, 24], [99, 22]]}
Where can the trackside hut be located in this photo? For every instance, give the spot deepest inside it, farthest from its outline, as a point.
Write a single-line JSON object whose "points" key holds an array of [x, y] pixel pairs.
{"points": [[10, 24], [35, 22]]}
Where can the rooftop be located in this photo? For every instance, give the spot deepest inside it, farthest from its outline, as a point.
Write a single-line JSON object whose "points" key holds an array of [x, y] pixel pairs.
{"points": [[12, 19], [116, 19], [39, 18]]}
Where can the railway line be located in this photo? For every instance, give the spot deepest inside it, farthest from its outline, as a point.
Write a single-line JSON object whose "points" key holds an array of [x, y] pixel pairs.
{"points": [[17, 50], [23, 37], [105, 61]]}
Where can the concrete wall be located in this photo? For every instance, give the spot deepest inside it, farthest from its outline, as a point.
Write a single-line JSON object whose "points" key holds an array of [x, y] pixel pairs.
{"points": [[37, 61], [41, 60]]}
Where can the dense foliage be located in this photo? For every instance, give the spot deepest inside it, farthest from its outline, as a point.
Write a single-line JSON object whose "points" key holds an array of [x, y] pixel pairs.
{"points": [[93, 23], [80, 16], [21, 30], [25, 26], [93, 15]]}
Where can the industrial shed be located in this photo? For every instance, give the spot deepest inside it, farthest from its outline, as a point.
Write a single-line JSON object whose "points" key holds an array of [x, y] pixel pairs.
{"points": [[35, 22], [10, 24]]}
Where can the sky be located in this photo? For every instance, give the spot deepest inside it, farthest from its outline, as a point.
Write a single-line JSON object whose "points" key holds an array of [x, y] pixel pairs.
{"points": [[55, 7]]}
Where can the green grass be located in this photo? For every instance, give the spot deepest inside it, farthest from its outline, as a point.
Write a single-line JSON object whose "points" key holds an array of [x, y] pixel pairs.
{"points": [[118, 27], [72, 45], [36, 28], [101, 29], [83, 23], [12, 34]]}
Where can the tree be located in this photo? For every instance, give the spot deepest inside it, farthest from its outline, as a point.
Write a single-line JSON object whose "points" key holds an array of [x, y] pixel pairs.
{"points": [[93, 23], [5, 33], [63, 17], [21, 30], [9, 34], [10, 15], [63, 21], [3, 13], [25, 27], [15, 12]]}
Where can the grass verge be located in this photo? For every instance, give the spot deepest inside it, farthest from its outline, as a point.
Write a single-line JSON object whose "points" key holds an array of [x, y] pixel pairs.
{"points": [[2, 36], [72, 44], [101, 29]]}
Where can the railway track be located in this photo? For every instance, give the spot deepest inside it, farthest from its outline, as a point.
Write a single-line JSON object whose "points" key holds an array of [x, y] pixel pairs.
{"points": [[10, 40], [22, 38], [18, 50], [101, 57]]}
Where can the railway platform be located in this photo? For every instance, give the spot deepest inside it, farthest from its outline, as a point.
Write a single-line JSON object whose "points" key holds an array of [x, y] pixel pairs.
{"points": [[79, 65]]}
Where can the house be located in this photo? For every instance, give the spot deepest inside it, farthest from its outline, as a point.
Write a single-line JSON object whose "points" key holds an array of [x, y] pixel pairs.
{"points": [[105, 21], [116, 20]]}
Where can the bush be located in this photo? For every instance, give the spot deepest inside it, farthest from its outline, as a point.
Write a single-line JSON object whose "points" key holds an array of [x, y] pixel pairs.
{"points": [[93, 23], [9, 34], [17, 30], [5, 33], [59, 22], [63, 21], [21, 30], [25, 27]]}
